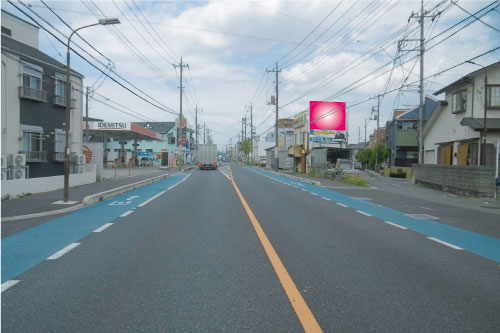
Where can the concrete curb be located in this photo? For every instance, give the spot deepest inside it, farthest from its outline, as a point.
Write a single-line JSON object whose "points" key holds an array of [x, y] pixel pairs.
{"points": [[94, 198], [300, 179]]}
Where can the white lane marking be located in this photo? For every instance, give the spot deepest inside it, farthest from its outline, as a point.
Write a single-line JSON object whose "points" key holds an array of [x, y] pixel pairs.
{"points": [[341, 204], [7, 284], [162, 192], [326, 199], [62, 252], [313, 193], [395, 225], [423, 216], [152, 198], [107, 225], [366, 214], [303, 189], [127, 213], [132, 197], [275, 179], [445, 243], [226, 175]]}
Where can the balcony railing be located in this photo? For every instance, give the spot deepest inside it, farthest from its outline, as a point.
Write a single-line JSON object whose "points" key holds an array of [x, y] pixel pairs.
{"points": [[35, 156], [61, 101], [34, 94], [58, 157]]}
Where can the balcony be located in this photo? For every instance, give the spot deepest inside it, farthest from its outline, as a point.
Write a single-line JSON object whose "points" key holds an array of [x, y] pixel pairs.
{"points": [[61, 101], [33, 94], [35, 156], [408, 138], [58, 157]]}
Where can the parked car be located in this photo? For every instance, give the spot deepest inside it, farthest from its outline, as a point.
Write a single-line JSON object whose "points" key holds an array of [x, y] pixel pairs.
{"points": [[146, 161], [358, 165]]}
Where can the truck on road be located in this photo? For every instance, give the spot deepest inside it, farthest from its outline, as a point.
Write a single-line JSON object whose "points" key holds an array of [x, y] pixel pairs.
{"points": [[207, 157]]}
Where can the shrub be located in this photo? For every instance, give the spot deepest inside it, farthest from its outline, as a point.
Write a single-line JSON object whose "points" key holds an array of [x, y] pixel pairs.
{"points": [[356, 180]]}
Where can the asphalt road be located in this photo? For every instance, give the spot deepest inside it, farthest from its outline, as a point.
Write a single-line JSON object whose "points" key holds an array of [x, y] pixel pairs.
{"points": [[186, 255]]}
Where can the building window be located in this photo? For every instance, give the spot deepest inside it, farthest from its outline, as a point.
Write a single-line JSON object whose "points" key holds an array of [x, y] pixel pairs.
{"points": [[459, 101], [32, 141], [117, 150], [6, 31], [494, 96], [149, 150], [32, 83], [171, 140]]}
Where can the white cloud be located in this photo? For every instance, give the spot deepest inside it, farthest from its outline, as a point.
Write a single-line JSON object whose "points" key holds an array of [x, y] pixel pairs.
{"points": [[226, 69]]}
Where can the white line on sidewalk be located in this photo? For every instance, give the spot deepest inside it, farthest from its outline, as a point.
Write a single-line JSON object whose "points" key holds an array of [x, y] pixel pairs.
{"points": [[366, 214], [341, 204], [107, 225], [62, 252], [7, 284], [445, 243], [127, 213], [395, 225], [326, 199]]}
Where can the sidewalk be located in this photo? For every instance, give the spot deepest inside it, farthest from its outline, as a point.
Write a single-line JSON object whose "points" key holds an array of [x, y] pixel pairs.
{"points": [[45, 202], [403, 188]]}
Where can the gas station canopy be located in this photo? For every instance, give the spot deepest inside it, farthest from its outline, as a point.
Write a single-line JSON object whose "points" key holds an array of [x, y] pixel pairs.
{"points": [[121, 130]]}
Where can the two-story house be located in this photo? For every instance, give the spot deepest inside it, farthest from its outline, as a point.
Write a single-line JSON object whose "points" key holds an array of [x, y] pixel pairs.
{"points": [[454, 135], [34, 105], [402, 133]]}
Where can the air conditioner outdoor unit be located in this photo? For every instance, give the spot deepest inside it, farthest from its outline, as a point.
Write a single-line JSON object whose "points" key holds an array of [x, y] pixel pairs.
{"points": [[78, 158], [5, 174], [18, 173], [4, 162], [79, 168], [17, 160]]}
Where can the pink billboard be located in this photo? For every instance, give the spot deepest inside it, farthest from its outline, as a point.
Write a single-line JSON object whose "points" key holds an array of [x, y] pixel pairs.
{"points": [[327, 116]]}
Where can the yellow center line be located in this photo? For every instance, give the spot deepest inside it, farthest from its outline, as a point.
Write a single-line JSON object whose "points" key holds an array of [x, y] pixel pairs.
{"points": [[299, 305]]}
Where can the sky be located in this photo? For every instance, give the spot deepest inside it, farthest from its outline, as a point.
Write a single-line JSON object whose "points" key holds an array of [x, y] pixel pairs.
{"points": [[344, 51]]}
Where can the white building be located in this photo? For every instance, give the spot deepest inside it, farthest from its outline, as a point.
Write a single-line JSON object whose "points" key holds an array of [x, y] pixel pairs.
{"points": [[453, 134], [34, 104]]}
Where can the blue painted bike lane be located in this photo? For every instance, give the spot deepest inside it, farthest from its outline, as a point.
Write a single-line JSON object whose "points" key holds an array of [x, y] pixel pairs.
{"points": [[30, 247], [485, 246]]}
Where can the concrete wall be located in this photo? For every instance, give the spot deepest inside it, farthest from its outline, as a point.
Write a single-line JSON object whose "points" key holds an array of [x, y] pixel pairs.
{"points": [[21, 30], [11, 130], [44, 184], [466, 180]]}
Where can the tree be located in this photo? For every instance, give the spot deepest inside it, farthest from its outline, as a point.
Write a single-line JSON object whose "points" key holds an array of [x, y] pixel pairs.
{"points": [[381, 154], [364, 156], [246, 147]]}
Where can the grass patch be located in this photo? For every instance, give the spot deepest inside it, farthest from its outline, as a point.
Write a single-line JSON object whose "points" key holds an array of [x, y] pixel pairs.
{"points": [[356, 180]]}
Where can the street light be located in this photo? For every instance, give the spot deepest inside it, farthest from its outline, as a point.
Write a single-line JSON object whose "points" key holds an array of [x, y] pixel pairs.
{"points": [[485, 129], [103, 21]]}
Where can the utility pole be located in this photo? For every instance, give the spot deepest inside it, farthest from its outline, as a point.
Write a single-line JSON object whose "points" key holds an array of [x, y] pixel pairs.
{"points": [[87, 115], [377, 133], [196, 133], [251, 132], [204, 132], [365, 133], [245, 127], [485, 128], [421, 19], [421, 88], [180, 131], [276, 71]]}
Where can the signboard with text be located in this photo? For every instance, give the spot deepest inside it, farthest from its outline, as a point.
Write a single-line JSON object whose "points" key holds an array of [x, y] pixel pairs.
{"points": [[327, 121]]}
